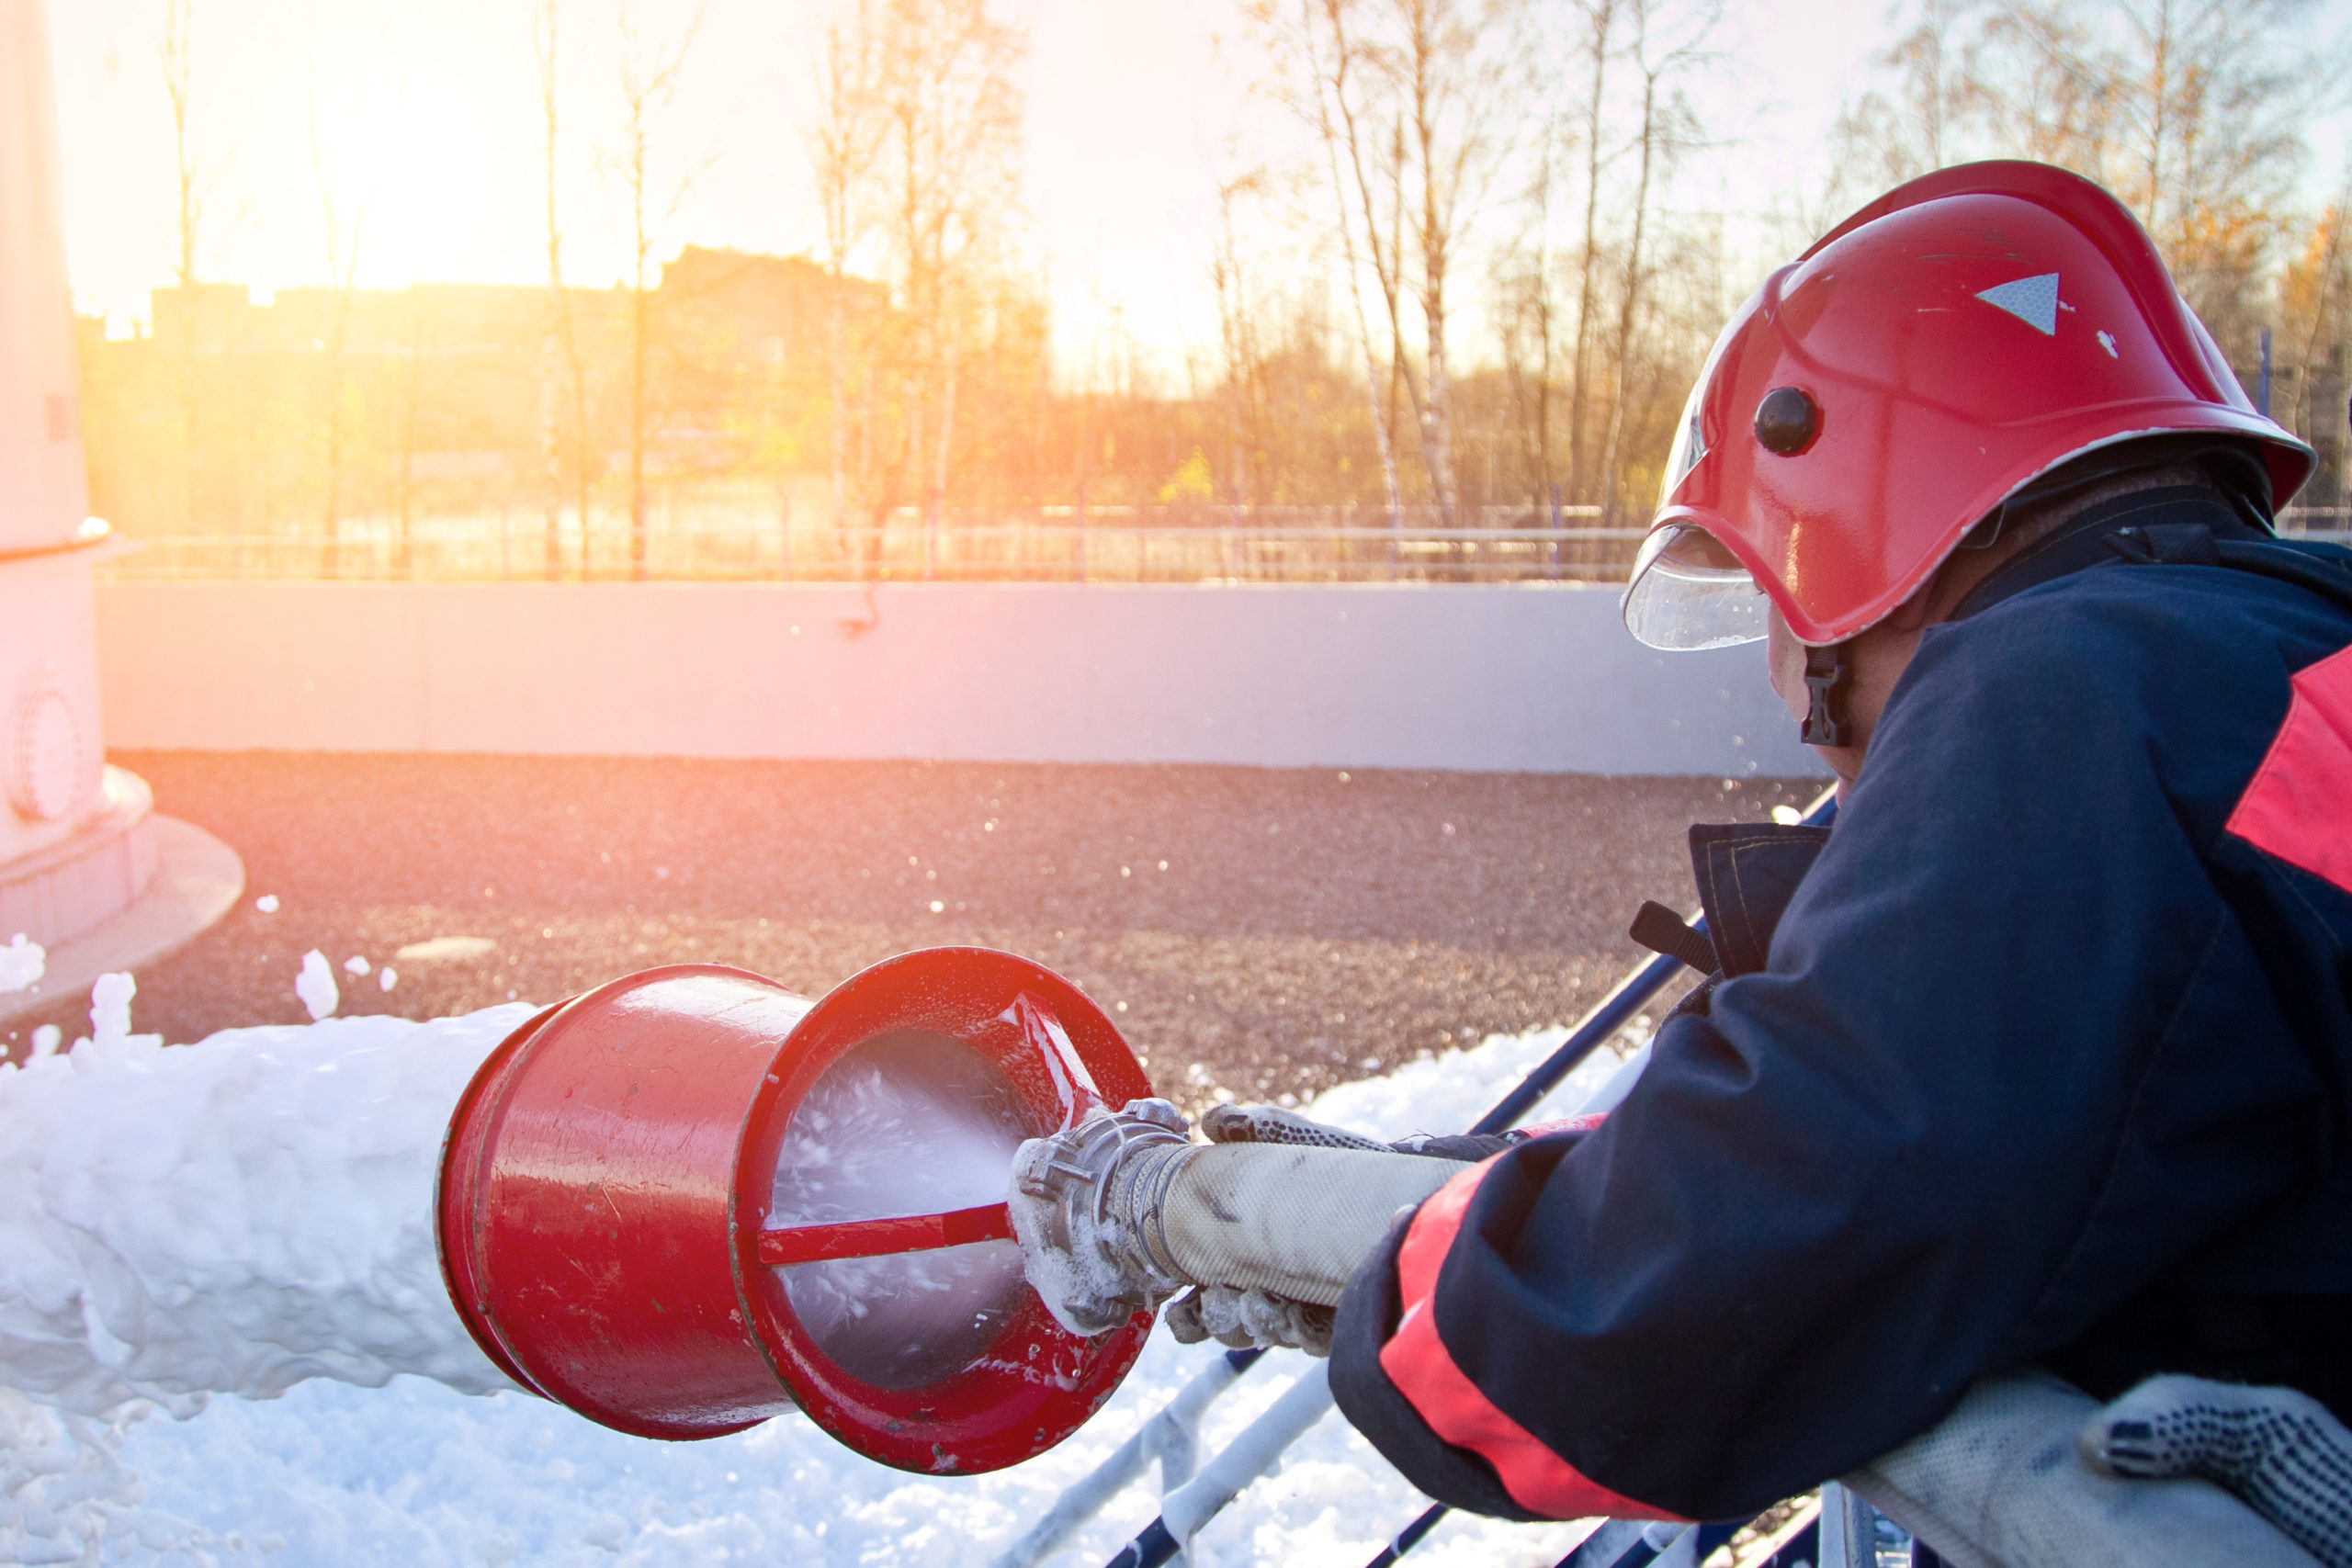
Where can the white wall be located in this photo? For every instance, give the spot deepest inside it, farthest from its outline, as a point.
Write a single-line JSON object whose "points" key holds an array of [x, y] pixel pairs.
{"points": [[1533, 678]]}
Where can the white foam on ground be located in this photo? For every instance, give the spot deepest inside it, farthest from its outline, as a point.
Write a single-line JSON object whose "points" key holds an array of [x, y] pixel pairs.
{"points": [[1447, 1092], [232, 1217], [252, 1263], [22, 963], [315, 987], [110, 1012], [70, 1494]]}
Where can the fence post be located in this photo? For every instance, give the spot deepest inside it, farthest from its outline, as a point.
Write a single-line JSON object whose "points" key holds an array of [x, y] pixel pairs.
{"points": [[1558, 526], [787, 532]]}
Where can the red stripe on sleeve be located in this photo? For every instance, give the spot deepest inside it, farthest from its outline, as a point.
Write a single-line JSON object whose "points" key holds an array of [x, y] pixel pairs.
{"points": [[1425, 1372], [2299, 805], [1587, 1123]]}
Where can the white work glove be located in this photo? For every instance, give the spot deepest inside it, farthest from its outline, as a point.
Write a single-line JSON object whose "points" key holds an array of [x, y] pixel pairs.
{"points": [[1273, 1124], [1269, 1218], [2279, 1451], [1243, 1319]]}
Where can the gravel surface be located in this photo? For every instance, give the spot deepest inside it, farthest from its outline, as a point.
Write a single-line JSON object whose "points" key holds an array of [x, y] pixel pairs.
{"points": [[1268, 931]]}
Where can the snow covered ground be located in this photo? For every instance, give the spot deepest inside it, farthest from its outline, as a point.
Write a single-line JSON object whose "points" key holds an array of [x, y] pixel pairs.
{"points": [[416, 1474]]}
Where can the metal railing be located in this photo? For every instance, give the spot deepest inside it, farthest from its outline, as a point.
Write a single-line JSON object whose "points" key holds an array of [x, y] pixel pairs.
{"points": [[720, 537], [2331, 524], [719, 541]]}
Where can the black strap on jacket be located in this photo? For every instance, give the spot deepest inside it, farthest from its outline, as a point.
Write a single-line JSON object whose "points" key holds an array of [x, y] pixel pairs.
{"points": [[2173, 525], [1747, 874], [2326, 569], [2080, 542]]}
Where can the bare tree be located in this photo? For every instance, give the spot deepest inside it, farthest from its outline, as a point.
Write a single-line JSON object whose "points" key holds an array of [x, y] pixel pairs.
{"points": [[177, 54], [407, 393], [1924, 122], [2315, 299], [954, 111], [2210, 112], [192, 185], [1383, 423], [2313, 294], [944, 186], [1315, 69], [916, 148], [1455, 78], [1666, 130], [1522, 288], [2191, 111], [344, 223], [649, 72], [1598, 20], [1406, 96], [843, 143], [1348, 123], [562, 333], [1237, 330], [2043, 74]]}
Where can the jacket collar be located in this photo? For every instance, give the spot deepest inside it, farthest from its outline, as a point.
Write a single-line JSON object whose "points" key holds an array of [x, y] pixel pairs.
{"points": [[2081, 542]]}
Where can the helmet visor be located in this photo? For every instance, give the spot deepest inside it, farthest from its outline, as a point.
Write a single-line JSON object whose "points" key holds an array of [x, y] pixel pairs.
{"points": [[1688, 591]]}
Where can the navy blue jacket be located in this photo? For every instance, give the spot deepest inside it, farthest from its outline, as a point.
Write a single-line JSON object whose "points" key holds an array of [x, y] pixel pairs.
{"points": [[2050, 1058]]}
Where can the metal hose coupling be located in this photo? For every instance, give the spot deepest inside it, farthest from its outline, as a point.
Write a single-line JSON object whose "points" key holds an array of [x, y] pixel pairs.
{"points": [[1086, 1204]]}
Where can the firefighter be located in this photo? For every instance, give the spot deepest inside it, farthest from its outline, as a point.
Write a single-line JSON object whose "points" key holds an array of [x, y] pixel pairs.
{"points": [[2043, 1056]]}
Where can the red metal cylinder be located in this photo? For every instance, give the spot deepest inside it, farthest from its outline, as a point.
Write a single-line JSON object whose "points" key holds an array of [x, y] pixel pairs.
{"points": [[612, 1171]]}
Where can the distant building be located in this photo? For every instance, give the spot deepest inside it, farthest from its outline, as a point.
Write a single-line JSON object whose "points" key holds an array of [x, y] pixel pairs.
{"points": [[233, 416]]}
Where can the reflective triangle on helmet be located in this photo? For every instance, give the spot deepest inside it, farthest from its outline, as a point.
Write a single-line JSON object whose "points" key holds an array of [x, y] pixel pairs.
{"points": [[2033, 301]]}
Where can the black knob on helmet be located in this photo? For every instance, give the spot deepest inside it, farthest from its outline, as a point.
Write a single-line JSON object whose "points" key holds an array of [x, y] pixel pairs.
{"points": [[1787, 421]]}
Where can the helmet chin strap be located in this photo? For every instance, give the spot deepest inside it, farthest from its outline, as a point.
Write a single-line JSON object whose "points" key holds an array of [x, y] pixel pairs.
{"points": [[1828, 676]]}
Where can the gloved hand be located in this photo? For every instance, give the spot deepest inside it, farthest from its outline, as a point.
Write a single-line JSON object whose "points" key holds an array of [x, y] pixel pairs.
{"points": [[1271, 1217], [2281, 1450], [1273, 1124], [1244, 1319]]}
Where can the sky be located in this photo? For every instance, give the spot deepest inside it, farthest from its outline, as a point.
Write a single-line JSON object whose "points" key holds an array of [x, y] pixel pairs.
{"points": [[419, 120]]}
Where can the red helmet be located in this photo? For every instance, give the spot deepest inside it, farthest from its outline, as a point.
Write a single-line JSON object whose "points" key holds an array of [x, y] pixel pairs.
{"points": [[1948, 344]]}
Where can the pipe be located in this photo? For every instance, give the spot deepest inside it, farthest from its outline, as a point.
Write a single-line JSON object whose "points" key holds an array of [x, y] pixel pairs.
{"points": [[2000, 1481], [1409, 1536], [1626, 1543], [1183, 1511], [1157, 1543], [1170, 1436], [689, 1200], [1220, 1480], [1848, 1529], [1655, 1543]]}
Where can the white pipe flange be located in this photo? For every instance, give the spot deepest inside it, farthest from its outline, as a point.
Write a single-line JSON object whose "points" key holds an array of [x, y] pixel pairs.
{"points": [[45, 772]]}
